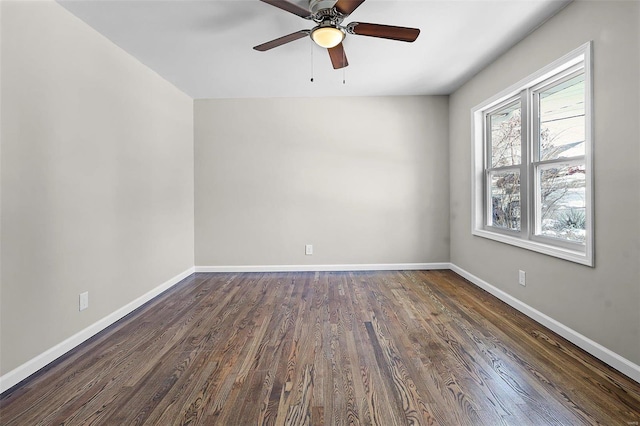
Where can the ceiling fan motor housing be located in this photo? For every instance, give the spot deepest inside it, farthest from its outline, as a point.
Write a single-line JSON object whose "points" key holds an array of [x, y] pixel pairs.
{"points": [[316, 5]]}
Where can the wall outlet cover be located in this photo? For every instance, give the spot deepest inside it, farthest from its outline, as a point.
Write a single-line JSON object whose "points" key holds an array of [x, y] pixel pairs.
{"points": [[84, 300], [522, 278]]}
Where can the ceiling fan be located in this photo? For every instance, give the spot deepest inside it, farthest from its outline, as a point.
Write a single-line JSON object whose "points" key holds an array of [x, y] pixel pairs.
{"points": [[329, 31]]}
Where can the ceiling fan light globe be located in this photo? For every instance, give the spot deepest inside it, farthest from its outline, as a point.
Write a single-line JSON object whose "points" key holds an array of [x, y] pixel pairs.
{"points": [[327, 37]]}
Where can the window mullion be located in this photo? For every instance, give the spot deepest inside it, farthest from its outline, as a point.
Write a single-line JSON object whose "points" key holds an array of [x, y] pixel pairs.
{"points": [[534, 185], [525, 186], [487, 165]]}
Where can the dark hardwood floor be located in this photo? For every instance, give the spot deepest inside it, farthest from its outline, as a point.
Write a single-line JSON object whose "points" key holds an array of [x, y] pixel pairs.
{"points": [[385, 348]]}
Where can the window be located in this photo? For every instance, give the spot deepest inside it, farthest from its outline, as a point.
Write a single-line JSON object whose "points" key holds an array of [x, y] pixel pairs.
{"points": [[532, 162]]}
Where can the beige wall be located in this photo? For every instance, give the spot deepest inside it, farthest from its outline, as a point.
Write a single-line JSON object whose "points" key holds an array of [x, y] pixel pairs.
{"points": [[97, 178], [365, 180], [602, 303]]}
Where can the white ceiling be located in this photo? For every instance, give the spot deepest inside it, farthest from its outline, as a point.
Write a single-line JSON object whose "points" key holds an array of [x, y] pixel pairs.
{"points": [[204, 47]]}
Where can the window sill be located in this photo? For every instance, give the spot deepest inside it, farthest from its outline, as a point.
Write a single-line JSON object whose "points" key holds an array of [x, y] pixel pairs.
{"points": [[581, 257]]}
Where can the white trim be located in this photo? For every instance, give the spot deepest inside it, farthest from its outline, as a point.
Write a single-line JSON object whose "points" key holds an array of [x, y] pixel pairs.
{"points": [[597, 350], [555, 251], [324, 268], [20, 373]]}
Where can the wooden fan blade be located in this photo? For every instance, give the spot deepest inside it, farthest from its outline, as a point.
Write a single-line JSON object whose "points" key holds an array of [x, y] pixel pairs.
{"points": [[338, 57], [384, 31], [290, 7], [282, 40], [346, 7]]}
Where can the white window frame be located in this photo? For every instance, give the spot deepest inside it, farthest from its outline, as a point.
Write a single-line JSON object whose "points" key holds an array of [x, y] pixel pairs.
{"points": [[580, 58]]}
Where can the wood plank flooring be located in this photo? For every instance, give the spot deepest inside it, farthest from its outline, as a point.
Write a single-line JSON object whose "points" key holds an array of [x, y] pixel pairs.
{"points": [[382, 348]]}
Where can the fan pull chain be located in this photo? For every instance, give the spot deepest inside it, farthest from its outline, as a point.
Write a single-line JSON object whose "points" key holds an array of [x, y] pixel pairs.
{"points": [[344, 69], [311, 44]]}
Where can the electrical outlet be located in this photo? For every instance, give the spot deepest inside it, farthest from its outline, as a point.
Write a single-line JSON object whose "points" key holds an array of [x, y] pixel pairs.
{"points": [[308, 249], [84, 300], [522, 278]]}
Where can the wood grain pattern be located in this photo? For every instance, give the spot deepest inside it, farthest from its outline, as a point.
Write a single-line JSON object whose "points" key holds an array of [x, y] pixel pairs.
{"points": [[359, 348]]}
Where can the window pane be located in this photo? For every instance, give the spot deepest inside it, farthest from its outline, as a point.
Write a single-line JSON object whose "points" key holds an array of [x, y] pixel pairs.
{"points": [[562, 120], [505, 136], [505, 199], [562, 202]]}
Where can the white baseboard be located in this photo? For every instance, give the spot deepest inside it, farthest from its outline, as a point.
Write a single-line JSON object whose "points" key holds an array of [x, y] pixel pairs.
{"points": [[20, 373], [325, 268], [606, 355]]}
